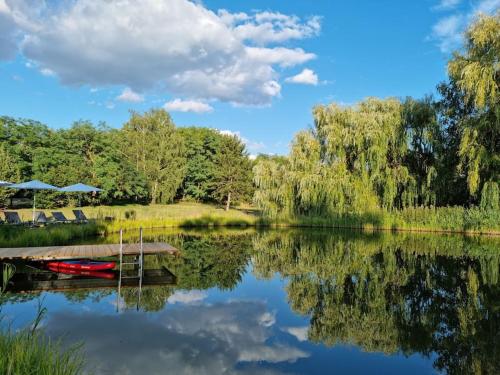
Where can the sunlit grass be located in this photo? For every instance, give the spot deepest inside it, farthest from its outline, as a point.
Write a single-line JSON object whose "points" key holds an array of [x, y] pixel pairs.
{"points": [[110, 219], [31, 352], [58, 234]]}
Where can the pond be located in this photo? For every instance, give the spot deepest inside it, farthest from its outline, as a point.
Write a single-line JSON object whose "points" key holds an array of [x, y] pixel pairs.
{"points": [[283, 302]]}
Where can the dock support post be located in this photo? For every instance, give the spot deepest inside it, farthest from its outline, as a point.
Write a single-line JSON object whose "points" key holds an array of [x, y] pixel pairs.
{"points": [[141, 267], [120, 278]]}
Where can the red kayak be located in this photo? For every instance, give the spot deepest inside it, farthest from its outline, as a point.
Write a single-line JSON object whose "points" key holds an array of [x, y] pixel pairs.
{"points": [[81, 265], [96, 274]]}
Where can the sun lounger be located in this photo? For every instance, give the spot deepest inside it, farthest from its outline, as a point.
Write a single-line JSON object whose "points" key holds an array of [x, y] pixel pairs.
{"points": [[80, 216], [12, 218], [40, 218], [60, 218]]}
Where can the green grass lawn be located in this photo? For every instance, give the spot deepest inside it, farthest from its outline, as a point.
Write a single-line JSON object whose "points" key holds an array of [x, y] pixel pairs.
{"points": [[157, 216]]}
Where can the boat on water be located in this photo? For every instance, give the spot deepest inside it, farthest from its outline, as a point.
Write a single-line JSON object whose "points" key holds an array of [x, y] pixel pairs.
{"points": [[97, 274], [80, 265]]}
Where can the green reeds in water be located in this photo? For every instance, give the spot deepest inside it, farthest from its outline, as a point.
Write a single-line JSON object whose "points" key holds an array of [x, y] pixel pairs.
{"points": [[30, 351]]}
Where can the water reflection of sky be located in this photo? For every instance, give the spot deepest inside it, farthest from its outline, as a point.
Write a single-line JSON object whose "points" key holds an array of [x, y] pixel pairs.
{"points": [[248, 330]]}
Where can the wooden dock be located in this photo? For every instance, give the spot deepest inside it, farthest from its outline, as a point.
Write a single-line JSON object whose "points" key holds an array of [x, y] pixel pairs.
{"points": [[50, 281], [84, 251]]}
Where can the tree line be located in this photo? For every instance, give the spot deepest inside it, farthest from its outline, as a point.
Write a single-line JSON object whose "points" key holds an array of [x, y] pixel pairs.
{"points": [[393, 154], [148, 160]]}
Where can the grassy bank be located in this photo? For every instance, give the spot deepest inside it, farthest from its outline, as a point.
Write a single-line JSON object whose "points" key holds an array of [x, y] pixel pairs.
{"points": [[444, 219], [29, 350], [20, 236]]}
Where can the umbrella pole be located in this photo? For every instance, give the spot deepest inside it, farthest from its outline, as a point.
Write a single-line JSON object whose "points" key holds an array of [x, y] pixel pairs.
{"points": [[34, 205]]}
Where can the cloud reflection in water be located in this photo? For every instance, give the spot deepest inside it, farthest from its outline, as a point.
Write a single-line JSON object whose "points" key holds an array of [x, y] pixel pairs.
{"points": [[222, 338]]}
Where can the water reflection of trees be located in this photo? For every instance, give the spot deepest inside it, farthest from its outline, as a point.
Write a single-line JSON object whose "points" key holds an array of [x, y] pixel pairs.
{"points": [[208, 259], [424, 294]]}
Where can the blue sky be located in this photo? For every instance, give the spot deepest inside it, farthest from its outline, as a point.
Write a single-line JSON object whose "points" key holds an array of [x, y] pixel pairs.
{"points": [[252, 67]]}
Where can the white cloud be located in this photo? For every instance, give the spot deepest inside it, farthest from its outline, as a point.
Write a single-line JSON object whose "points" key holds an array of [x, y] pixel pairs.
{"points": [[448, 31], [285, 57], [8, 33], [187, 297], [178, 105], [47, 72], [488, 6], [306, 77], [270, 27], [155, 45], [250, 145], [130, 96], [447, 4]]}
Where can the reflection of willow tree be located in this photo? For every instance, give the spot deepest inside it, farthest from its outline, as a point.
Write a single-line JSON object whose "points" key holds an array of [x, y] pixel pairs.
{"points": [[394, 293]]}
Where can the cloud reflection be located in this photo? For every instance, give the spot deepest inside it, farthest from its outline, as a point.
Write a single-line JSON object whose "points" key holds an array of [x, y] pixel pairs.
{"points": [[223, 338]]}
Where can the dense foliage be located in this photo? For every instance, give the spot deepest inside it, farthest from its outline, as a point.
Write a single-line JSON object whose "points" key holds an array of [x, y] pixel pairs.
{"points": [[149, 160], [391, 154]]}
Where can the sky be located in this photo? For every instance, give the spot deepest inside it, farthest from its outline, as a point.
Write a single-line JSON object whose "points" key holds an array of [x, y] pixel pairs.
{"points": [[253, 68]]}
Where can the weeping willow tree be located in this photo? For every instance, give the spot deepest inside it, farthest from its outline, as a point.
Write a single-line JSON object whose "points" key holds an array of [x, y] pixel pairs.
{"points": [[351, 162], [476, 73]]}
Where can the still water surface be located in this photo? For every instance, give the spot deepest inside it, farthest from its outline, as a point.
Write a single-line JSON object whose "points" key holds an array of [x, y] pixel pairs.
{"points": [[287, 302]]}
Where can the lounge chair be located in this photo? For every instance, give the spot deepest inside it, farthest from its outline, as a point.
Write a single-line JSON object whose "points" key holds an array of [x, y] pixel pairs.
{"points": [[60, 218], [12, 218], [80, 216], [40, 218]]}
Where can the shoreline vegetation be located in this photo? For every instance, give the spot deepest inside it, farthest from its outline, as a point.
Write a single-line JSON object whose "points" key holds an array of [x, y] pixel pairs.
{"points": [[28, 350], [458, 220]]}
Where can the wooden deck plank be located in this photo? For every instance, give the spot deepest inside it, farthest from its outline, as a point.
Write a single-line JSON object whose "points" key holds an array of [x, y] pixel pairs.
{"points": [[84, 251]]}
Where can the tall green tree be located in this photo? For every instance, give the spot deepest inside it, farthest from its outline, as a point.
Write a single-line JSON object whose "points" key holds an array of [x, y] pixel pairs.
{"points": [[424, 147], [233, 175], [156, 149], [475, 72], [352, 161], [9, 171], [22, 138], [201, 150]]}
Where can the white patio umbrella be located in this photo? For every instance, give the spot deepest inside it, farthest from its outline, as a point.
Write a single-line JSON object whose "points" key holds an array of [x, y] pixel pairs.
{"points": [[33, 185]]}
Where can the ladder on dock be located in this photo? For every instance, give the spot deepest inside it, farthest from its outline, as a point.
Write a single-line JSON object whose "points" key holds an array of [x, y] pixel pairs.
{"points": [[138, 264]]}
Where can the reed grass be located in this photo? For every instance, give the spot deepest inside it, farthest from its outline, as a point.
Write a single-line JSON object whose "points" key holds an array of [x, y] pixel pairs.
{"points": [[30, 352], [188, 214]]}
